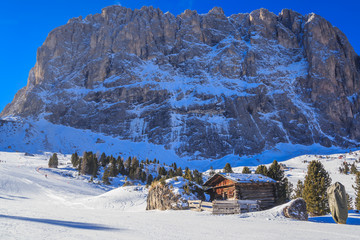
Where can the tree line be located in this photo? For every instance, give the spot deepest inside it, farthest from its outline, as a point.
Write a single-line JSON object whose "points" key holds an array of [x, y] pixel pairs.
{"points": [[90, 163], [312, 190]]}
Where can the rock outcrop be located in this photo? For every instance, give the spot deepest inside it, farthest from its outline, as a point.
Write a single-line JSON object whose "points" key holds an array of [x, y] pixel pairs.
{"points": [[338, 202], [205, 85], [162, 198], [296, 209]]}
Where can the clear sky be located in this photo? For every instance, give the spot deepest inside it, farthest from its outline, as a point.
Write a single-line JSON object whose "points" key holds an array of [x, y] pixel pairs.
{"points": [[25, 24]]}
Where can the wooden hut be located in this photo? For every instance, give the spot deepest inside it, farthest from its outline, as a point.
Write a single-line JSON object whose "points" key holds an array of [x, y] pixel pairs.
{"points": [[232, 186]]}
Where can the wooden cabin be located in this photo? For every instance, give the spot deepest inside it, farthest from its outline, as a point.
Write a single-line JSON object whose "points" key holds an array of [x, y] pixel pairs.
{"points": [[232, 186]]}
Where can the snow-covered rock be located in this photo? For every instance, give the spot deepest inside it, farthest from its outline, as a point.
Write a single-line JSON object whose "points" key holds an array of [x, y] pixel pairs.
{"points": [[174, 194], [202, 85], [296, 209]]}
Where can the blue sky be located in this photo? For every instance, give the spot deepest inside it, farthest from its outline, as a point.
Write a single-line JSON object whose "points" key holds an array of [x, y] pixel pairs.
{"points": [[25, 24]]}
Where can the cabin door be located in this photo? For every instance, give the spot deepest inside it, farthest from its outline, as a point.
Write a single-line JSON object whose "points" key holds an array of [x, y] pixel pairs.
{"points": [[224, 195]]}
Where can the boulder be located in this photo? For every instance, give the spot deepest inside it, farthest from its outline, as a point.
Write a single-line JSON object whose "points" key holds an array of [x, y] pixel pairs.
{"points": [[162, 198], [296, 209], [338, 202]]}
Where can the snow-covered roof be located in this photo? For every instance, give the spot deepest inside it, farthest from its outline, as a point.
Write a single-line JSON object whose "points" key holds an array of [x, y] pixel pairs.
{"points": [[245, 178]]}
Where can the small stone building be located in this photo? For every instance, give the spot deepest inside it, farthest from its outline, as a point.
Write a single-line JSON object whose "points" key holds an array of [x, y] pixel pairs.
{"points": [[232, 186]]}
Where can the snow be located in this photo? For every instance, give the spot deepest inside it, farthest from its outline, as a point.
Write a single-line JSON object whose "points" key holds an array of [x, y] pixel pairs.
{"points": [[37, 136], [63, 206], [124, 198], [177, 82], [246, 178], [176, 185]]}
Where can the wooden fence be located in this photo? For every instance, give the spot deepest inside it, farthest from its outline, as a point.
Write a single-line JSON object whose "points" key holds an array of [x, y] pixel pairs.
{"points": [[225, 206], [207, 206], [195, 205]]}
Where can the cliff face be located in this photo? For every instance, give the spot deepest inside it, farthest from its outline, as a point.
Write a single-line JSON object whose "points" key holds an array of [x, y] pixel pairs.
{"points": [[205, 85]]}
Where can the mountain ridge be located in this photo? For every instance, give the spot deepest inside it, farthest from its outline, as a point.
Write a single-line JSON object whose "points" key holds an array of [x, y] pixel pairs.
{"points": [[205, 85]]}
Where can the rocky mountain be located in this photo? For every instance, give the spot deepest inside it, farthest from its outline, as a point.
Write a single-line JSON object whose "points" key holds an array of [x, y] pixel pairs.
{"points": [[204, 85]]}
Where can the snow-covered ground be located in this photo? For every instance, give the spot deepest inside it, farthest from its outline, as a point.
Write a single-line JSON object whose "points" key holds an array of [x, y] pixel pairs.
{"points": [[64, 206], [37, 136]]}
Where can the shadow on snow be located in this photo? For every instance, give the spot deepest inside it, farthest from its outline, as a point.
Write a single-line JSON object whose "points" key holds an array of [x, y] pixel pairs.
{"points": [[353, 219], [12, 197], [70, 224]]}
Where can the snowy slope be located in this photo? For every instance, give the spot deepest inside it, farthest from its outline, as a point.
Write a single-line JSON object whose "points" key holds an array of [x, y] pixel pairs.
{"points": [[42, 136], [66, 207]]}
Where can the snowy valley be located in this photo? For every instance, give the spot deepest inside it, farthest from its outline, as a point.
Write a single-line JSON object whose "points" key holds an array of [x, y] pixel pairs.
{"points": [[64, 205]]}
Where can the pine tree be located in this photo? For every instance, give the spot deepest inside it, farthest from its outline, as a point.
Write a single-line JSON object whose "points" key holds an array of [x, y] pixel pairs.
{"points": [[113, 168], [298, 191], [353, 168], [170, 173], [357, 191], [246, 170], [198, 177], [227, 168], [179, 172], [188, 175], [289, 188], [262, 169], [75, 160], [143, 176], [95, 166], [149, 179], [103, 159], [162, 171], [317, 181], [284, 186], [344, 168], [79, 165], [50, 162], [186, 188], [89, 163], [174, 166], [53, 161], [137, 173], [105, 177], [84, 164], [275, 172], [127, 166], [120, 166], [134, 163]]}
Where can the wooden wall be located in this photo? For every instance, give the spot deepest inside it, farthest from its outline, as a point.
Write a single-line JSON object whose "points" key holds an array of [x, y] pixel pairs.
{"points": [[224, 189], [265, 192], [227, 189]]}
